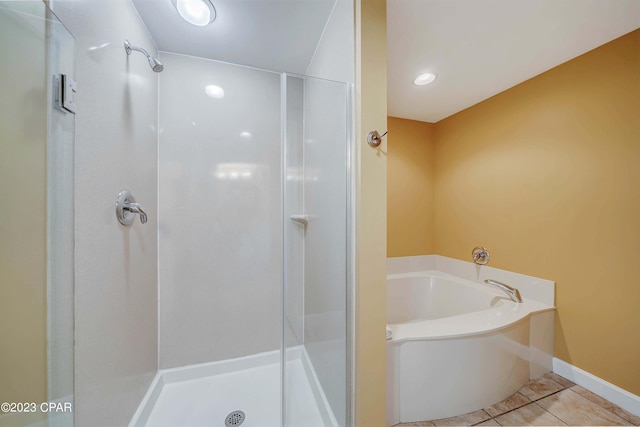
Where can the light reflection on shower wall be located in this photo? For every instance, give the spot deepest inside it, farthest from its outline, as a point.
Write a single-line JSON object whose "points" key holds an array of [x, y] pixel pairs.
{"points": [[220, 209]]}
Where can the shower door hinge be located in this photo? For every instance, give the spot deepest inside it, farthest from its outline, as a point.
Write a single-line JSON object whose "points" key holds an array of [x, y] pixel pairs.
{"points": [[65, 89]]}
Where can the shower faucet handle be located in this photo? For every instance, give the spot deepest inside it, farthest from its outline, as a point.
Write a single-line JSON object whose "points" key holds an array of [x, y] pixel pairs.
{"points": [[127, 208], [136, 209]]}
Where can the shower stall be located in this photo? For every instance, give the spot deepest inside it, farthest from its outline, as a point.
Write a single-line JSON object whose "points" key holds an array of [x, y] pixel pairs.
{"points": [[253, 185], [232, 303]]}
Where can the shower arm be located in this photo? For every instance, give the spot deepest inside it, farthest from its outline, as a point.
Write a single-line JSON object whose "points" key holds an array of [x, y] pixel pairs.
{"points": [[128, 47], [154, 63]]}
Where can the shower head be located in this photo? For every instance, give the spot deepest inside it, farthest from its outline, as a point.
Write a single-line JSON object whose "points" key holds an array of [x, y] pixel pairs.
{"points": [[154, 63]]}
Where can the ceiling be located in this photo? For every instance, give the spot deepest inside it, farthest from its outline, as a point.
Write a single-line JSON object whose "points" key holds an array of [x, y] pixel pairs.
{"points": [[479, 48], [278, 35]]}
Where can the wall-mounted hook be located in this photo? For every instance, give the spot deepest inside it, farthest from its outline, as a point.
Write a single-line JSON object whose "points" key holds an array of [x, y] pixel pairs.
{"points": [[374, 138]]}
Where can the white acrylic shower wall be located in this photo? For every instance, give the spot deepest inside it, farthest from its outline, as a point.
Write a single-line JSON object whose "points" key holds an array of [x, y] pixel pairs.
{"points": [[220, 229]]}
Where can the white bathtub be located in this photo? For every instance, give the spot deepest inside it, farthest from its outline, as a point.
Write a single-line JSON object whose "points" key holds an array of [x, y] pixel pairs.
{"points": [[459, 346]]}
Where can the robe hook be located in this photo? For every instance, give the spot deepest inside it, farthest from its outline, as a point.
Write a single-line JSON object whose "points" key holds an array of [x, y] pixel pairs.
{"points": [[374, 138]]}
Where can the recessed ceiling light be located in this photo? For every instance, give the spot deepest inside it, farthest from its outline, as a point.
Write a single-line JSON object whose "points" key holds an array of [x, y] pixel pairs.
{"points": [[245, 134], [424, 79], [214, 91], [196, 12]]}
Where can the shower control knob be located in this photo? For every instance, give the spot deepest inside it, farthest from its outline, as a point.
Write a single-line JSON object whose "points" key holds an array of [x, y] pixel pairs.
{"points": [[127, 208]]}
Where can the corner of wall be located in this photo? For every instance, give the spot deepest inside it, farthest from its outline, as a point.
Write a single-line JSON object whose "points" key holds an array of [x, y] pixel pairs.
{"points": [[333, 58], [411, 183]]}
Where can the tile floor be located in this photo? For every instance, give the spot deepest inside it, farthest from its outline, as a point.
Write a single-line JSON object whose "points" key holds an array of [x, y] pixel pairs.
{"points": [[549, 401]]}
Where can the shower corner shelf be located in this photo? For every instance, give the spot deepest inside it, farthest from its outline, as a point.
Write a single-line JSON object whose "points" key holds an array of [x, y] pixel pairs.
{"points": [[300, 219]]}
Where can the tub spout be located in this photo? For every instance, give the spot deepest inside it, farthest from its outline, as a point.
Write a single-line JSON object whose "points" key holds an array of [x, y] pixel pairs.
{"points": [[513, 293]]}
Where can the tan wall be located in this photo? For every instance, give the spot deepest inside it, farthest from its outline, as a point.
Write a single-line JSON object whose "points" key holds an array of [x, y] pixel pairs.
{"points": [[410, 184], [371, 214], [547, 176]]}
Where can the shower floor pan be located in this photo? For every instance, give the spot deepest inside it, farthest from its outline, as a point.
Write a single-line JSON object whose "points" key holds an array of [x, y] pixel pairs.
{"points": [[208, 394]]}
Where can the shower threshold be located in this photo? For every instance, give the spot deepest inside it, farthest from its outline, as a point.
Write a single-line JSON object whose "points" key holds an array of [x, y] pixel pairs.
{"points": [[205, 394]]}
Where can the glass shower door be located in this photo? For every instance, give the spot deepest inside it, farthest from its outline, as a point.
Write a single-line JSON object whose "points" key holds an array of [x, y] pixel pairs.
{"points": [[317, 288], [36, 218], [23, 251]]}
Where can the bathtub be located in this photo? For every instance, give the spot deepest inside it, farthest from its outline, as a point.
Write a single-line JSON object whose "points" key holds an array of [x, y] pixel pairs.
{"points": [[458, 346]]}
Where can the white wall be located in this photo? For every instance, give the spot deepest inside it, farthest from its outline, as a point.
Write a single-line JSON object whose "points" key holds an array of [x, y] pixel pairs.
{"points": [[116, 266], [220, 205], [334, 58], [325, 268]]}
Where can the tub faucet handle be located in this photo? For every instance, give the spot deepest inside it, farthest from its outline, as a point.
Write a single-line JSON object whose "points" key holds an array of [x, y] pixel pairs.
{"points": [[480, 255]]}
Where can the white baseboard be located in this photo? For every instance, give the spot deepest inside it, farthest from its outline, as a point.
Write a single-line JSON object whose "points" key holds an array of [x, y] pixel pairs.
{"points": [[602, 388]]}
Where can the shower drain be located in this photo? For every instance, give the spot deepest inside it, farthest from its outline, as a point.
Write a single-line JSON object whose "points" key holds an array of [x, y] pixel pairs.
{"points": [[234, 419]]}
